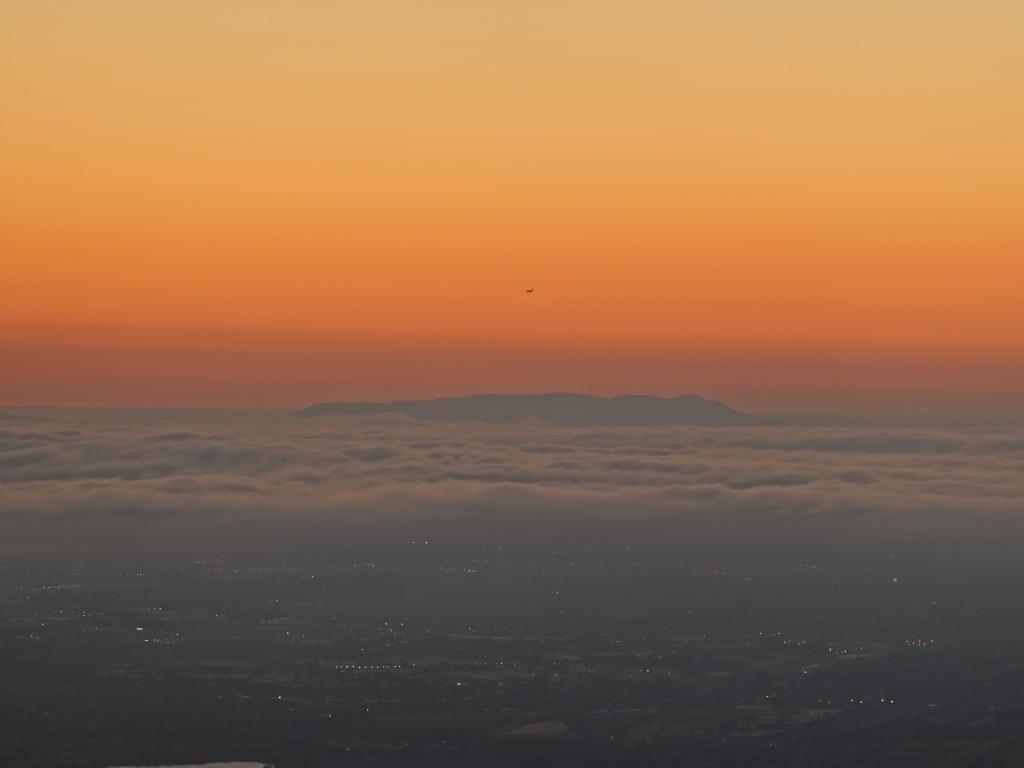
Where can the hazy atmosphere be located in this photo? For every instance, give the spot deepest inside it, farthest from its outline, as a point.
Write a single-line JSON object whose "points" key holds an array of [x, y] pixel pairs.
{"points": [[562, 384]]}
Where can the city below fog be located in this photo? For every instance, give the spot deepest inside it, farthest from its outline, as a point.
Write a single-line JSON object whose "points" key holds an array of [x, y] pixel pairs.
{"points": [[191, 587]]}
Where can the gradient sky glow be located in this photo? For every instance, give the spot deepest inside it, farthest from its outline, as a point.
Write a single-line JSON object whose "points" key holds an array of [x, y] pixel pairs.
{"points": [[794, 205]]}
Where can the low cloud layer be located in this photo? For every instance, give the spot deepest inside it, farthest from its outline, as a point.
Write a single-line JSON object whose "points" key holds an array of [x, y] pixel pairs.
{"points": [[111, 478]]}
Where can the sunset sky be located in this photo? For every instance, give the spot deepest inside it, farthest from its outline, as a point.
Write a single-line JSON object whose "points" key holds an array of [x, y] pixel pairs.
{"points": [[788, 205]]}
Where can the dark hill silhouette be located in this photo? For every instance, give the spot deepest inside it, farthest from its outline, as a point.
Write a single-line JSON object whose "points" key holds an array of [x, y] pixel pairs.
{"points": [[557, 407]]}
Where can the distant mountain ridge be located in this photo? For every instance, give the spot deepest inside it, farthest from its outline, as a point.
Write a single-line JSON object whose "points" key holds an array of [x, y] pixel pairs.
{"points": [[563, 408]]}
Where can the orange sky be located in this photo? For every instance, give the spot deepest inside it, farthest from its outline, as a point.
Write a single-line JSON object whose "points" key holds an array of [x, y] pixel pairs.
{"points": [[785, 204]]}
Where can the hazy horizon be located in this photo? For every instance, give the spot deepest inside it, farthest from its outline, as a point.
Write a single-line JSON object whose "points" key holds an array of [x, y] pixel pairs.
{"points": [[822, 418], [229, 229], [151, 367]]}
